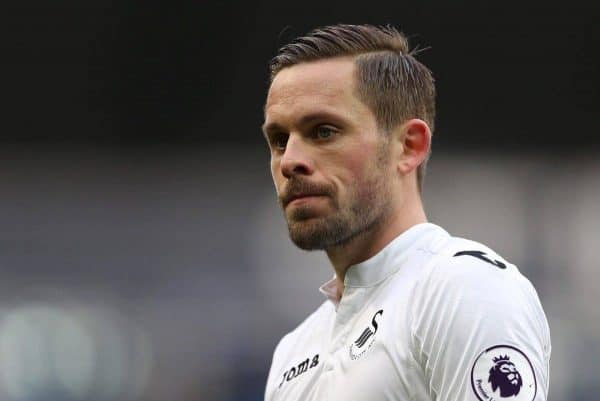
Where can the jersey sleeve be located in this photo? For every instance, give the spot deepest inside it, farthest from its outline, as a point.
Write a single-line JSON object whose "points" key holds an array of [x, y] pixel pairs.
{"points": [[479, 331]]}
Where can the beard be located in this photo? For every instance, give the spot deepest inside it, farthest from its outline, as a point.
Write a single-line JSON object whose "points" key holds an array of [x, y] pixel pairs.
{"points": [[368, 204]]}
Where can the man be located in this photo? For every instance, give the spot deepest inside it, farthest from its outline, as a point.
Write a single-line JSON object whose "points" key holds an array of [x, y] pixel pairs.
{"points": [[412, 312]]}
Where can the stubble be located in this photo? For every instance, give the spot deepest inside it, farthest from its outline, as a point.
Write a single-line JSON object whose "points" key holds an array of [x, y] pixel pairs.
{"points": [[365, 210]]}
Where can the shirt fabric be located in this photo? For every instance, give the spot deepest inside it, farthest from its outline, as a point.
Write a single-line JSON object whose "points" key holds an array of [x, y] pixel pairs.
{"points": [[431, 317]]}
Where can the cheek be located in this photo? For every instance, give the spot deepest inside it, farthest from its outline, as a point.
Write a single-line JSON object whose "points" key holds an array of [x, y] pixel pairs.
{"points": [[365, 165], [360, 176], [275, 173], [349, 176], [361, 163]]}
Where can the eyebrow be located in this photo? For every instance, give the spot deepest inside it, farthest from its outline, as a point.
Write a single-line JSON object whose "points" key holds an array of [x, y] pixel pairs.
{"points": [[305, 120]]}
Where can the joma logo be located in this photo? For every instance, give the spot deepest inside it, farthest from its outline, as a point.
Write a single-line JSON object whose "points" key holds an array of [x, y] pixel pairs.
{"points": [[301, 368]]}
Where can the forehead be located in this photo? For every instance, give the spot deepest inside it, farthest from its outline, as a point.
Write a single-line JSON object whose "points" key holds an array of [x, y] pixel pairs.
{"points": [[324, 85]]}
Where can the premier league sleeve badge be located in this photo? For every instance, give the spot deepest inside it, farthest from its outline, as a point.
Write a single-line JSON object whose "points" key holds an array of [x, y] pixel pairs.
{"points": [[503, 372]]}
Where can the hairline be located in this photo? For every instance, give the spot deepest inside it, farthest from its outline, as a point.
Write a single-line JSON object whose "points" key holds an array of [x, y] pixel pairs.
{"points": [[356, 90]]}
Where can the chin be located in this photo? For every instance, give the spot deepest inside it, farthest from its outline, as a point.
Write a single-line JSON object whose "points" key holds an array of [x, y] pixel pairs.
{"points": [[300, 214], [307, 236], [307, 243]]}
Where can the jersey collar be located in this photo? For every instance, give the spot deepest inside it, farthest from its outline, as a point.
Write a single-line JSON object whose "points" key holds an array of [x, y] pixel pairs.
{"points": [[382, 265]]}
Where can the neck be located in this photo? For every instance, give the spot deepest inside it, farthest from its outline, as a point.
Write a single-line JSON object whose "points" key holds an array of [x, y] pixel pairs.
{"points": [[369, 243]]}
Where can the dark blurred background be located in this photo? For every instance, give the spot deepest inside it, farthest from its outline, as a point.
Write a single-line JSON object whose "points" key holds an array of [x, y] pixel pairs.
{"points": [[142, 253]]}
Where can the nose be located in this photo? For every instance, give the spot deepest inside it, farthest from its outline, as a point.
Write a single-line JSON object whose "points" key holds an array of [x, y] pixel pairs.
{"points": [[296, 158]]}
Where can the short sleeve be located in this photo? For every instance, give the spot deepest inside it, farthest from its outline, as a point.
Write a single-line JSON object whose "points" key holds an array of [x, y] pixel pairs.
{"points": [[479, 331]]}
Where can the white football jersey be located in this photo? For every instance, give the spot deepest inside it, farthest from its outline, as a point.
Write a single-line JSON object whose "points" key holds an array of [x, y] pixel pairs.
{"points": [[430, 317]]}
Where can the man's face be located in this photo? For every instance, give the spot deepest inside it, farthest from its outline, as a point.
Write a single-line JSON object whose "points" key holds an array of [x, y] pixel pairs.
{"points": [[330, 164]]}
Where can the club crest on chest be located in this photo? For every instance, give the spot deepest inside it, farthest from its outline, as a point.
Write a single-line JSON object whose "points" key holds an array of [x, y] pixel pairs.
{"points": [[363, 342]]}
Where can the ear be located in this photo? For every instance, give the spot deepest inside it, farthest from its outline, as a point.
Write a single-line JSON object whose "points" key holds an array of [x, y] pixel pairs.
{"points": [[415, 140]]}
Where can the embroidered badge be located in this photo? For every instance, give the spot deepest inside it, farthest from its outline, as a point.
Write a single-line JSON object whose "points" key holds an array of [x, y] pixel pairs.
{"points": [[503, 372], [366, 338]]}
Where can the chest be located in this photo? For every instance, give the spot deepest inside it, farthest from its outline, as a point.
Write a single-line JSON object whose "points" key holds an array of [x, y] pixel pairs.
{"points": [[361, 352]]}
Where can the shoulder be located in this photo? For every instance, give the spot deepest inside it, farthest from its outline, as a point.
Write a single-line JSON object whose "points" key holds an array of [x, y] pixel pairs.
{"points": [[471, 266], [474, 284], [315, 319], [304, 333], [303, 340], [470, 306]]}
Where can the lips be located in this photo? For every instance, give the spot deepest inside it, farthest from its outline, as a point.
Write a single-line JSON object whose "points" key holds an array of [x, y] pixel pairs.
{"points": [[290, 198], [298, 189]]}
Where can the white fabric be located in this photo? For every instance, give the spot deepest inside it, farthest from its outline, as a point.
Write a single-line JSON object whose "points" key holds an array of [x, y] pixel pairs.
{"points": [[333, 290], [412, 325]]}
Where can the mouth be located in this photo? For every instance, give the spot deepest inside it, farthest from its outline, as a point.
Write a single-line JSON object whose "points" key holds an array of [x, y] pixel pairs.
{"points": [[298, 198]]}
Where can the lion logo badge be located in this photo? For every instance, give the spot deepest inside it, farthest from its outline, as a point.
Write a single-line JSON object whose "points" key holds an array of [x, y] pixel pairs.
{"points": [[504, 375], [503, 372]]}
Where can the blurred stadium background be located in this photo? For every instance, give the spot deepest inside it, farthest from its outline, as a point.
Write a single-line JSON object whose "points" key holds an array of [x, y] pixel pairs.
{"points": [[142, 254]]}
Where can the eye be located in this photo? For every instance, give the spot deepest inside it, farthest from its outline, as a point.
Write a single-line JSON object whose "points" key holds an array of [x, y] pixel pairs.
{"points": [[279, 141], [324, 132]]}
